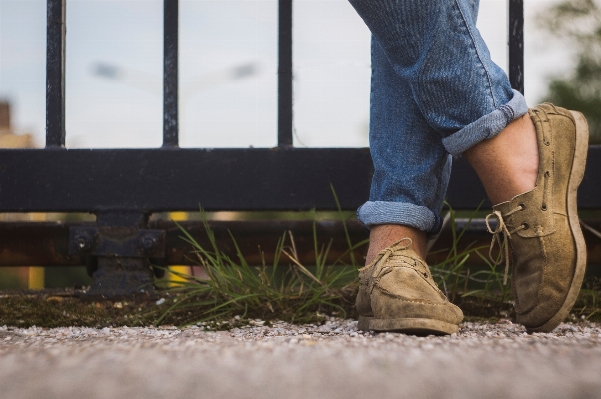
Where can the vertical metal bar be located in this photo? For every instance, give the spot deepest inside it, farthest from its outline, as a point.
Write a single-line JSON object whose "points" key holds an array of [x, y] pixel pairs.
{"points": [[285, 73], [516, 44], [170, 73], [55, 73]]}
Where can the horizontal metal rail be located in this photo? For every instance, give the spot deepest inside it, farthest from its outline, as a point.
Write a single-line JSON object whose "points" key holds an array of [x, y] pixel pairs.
{"points": [[155, 180], [47, 243]]}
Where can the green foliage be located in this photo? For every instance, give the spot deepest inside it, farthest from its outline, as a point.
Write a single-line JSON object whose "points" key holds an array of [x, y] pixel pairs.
{"points": [[578, 24], [291, 291], [481, 285], [286, 289]]}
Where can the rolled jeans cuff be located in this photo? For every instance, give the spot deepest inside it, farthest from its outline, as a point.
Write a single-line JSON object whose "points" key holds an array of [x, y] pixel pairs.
{"points": [[487, 126], [383, 212]]}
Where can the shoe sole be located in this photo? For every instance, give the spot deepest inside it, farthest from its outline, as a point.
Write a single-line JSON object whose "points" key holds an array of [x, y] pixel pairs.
{"points": [[408, 326], [576, 175]]}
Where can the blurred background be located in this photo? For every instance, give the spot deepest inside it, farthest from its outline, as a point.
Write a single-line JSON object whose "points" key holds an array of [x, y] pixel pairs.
{"points": [[228, 74]]}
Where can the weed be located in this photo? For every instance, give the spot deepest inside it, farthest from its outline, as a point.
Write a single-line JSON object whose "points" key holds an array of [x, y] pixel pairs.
{"points": [[286, 290], [465, 286], [292, 291]]}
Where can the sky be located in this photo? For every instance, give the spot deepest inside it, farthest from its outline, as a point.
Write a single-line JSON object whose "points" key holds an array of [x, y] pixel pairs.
{"points": [[228, 70]]}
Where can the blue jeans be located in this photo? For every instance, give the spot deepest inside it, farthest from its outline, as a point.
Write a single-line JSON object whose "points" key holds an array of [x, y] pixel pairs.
{"points": [[435, 93]]}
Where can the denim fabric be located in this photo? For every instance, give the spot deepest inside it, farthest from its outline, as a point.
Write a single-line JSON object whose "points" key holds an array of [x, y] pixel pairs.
{"points": [[435, 93]]}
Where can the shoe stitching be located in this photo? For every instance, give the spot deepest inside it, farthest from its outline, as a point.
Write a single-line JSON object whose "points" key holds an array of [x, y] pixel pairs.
{"points": [[372, 280], [546, 126], [404, 299], [389, 269]]}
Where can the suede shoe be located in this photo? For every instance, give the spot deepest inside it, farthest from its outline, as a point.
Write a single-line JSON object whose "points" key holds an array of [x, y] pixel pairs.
{"points": [[542, 234], [397, 293]]}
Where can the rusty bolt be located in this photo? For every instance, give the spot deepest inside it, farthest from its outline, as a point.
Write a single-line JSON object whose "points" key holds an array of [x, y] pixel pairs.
{"points": [[149, 244], [82, 243]]}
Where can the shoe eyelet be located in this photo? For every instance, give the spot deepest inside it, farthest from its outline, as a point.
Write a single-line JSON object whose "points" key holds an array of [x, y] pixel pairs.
{"points": [[522, 206], [543, 207], [525, 226]]}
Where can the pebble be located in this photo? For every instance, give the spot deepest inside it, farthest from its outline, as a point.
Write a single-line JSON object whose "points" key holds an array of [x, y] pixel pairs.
{"points": [[503, 332], [278, 359]]}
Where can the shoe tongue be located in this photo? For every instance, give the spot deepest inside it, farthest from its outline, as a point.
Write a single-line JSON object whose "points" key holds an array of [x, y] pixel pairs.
{"points": [[411, 257]]}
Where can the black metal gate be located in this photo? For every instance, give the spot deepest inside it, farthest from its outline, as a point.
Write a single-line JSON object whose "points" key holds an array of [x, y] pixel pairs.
{"points": [[124, 186]]}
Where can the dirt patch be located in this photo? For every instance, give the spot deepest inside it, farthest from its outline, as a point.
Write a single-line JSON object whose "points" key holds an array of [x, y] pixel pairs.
{"points": [[71, 307]]}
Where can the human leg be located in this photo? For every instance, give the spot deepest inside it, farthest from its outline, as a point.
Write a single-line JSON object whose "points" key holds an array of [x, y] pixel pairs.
{"points": [[436, 48], [397, 292], [467, 100], [432, 79], [411, 166]]}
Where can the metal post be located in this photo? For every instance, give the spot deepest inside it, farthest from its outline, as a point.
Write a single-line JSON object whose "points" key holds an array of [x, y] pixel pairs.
{"points": [[285, 74], [516, 44], [170, 73], [55, 73], [117, 251]]}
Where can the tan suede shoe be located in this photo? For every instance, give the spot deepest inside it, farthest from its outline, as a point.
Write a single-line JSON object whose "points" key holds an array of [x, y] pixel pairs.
{"points": [[397, 293], [546, 245]]}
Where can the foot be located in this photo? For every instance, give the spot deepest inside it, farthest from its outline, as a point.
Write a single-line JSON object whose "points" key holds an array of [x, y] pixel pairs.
{"points": [[540, 226], [397, 293]]}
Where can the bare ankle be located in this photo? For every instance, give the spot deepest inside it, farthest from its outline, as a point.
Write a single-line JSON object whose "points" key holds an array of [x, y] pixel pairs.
{"points": [[383, 236], [507, 164]]}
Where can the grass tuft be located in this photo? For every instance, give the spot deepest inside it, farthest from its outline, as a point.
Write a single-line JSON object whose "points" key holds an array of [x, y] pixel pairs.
{"points": [[291, 291], [286, 290], [479, 291]]}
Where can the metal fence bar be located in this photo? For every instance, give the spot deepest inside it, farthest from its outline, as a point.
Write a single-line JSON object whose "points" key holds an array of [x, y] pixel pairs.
{"points": [[516, 44], [144, 180], [170, 73], [55, 73], [285, 73], [231, 179], [47, 243]]}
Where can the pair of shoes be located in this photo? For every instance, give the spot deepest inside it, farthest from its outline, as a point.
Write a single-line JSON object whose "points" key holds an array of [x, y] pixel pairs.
{"points": [[541, 229], [542, 238], [397, 293]]}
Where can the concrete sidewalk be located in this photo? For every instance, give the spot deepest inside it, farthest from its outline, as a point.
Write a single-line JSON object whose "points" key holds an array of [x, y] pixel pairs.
{"points": [[313, 361]]}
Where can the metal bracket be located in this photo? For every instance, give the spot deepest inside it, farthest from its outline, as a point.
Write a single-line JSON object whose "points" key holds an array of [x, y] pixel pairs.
{"points": [[117, 241]]}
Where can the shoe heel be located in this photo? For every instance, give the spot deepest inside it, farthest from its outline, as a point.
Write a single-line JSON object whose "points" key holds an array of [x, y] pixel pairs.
{"points": [[363, 324], [580, 154]]}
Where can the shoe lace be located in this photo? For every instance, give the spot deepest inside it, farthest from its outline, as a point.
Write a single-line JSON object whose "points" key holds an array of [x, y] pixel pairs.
{"points": [[385, 254], [502, 229]]}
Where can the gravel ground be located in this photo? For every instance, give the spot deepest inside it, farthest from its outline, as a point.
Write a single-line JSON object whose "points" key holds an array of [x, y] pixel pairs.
{"points": [[290, 361]]}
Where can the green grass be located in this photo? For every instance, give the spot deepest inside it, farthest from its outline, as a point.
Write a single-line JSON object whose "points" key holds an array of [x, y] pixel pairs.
{"points": [[472, 287], [292, 291], [286, 289], [296, 292]]}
